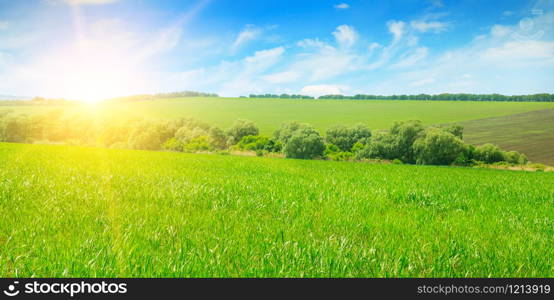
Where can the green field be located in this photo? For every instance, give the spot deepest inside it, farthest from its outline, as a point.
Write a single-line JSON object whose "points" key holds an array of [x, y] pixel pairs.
{"points": [[85, 212], [268, 114], [531, 133]]}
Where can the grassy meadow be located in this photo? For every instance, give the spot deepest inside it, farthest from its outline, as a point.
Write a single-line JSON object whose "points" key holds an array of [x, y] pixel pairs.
{"points": [[268, 114], [89, 212]]}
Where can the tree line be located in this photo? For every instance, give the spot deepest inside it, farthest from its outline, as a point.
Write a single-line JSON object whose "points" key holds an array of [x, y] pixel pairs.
{"points": [[404, 142], [424, 97], [450, 97]]}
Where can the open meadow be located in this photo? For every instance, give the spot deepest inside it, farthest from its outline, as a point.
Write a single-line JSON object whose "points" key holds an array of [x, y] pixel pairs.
{"points": [[89, 212], [268, 114]]}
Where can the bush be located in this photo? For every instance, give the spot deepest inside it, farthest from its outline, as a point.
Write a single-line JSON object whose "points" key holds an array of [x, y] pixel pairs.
{"points": [[358, 146], [437, 147], [380, 146], [489, 153], [200, 143], [253, 143], [396, 161], [516, 158], [456, 129], [345, 138], [304, 143], [404, 135], [146, 137], [240, 129], [199, 133], [341, 156], [273, 146], [173, 145], [287, 129]]}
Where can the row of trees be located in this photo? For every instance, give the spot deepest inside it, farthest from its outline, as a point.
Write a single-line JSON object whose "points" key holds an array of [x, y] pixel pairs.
{"points": [[406, 142], [282, 96], [450, 97]]}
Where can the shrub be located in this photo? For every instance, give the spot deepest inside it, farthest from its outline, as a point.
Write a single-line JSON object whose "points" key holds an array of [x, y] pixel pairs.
{"points": [[396, 161], [287, 129], [191, 131], [253, 143], [489, 153], [345, 138], [382, 146], [404, 135], [341, 156], [304, 143], [173, 144], [145, 137], [358, 146], [456, 129], [437, 147], [200, 143], [240, 129], [273, 146], [516, 158]]}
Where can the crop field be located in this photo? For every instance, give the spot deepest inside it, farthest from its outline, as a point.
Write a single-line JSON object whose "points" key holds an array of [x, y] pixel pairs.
{"points": [[268, 114], [531, 133], [87, 212]]}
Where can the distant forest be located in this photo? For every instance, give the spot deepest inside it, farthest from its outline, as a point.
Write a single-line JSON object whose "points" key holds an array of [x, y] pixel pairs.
{"points": [[420, 97], [425, 97]]}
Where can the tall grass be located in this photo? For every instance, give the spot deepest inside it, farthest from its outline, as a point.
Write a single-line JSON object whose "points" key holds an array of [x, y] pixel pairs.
{"points": [[71, 211]]}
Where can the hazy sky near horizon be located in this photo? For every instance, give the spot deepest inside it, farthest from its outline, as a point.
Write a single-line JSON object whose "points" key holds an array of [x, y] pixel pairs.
{"points": [[107, 48]]}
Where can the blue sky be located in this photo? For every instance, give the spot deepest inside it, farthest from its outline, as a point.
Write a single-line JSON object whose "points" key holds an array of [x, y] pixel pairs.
{"points": [[106, 48]]}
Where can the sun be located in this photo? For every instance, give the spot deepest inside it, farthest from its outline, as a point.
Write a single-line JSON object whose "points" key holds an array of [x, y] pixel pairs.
{"points": [[90, 71]]}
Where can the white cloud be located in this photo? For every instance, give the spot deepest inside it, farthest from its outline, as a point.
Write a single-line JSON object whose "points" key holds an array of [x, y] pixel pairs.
{"points": [[397, 29], [412, 58], [246, 35], [513, 51], [345, 35], [4, 25], [342, 6], [320, 90], [500, 30], [433, 26], [282, 77], [422, 82], [265, 56]]}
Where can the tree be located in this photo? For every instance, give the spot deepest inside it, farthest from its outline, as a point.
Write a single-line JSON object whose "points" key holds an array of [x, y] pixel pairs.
{"points": [[405, 134], [148, 139], [345, 138], [382, 146], [457, 130], [304, 145], [240, 129], [489, 153], [287, 129], [253, 143], [300, 140], [437, 147], [515, 158]]}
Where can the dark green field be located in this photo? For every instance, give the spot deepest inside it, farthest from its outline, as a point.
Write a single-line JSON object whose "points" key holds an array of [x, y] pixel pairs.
{"points": [[531, 133]]}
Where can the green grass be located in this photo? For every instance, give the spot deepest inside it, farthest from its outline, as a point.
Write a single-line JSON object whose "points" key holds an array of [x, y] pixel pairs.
{"points": [[270, 113], [531, 133], [73, 212]]}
